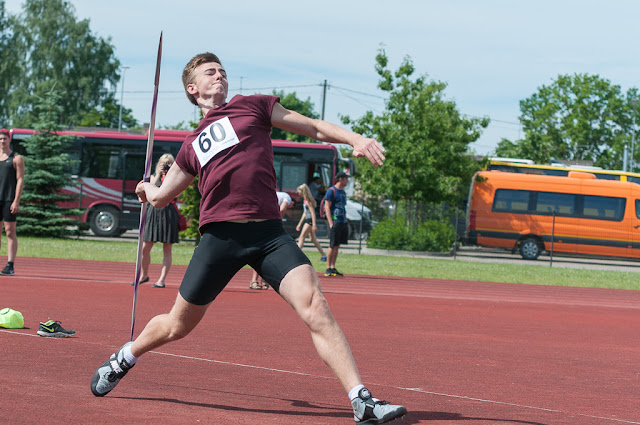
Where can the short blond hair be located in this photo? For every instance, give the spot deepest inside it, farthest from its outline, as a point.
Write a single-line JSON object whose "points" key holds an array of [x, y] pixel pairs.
{"points": [[188, 74]]}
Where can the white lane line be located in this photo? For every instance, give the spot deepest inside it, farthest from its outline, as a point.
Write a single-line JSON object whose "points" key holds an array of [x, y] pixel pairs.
{"points": [[419, 390], [399, 388]]}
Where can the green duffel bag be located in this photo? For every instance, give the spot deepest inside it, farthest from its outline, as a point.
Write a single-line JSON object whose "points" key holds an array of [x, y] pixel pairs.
{"points": [[11, 319]]}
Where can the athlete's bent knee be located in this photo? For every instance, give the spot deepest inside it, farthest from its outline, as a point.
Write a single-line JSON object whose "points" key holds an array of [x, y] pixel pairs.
{"points": [[318, 315], [178, 331]]}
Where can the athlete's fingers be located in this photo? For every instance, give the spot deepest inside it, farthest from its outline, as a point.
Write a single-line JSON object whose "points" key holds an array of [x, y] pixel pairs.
{"points": [[370, 149]]}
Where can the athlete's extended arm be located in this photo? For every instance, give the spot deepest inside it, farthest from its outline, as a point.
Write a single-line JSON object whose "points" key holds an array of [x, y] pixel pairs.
{"points": [[174, 184], [18, 162], [326, 132]]}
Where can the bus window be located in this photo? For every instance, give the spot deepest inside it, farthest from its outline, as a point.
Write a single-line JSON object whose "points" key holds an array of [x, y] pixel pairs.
{"points": [[603, 207], [135, 164], [507, 200], [561, 203], [100, 161], [638, 208], [606, 176], [292, 175]]}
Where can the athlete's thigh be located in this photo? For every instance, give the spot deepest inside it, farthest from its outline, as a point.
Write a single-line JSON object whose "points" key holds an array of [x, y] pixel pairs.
{"points": [[277, 258], [214, 263], [300, 286], [188, 315], [10, 228]]}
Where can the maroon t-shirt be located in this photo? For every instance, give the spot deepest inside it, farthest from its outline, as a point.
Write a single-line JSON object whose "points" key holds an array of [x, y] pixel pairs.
{"points": [[232, 154]]}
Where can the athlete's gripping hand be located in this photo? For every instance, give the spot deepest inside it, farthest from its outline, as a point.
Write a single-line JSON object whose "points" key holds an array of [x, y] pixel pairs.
{"points": [[370, 149], [142, 194]]}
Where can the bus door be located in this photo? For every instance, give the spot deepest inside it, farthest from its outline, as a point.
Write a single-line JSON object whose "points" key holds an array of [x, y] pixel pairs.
{"points": [[132, 163], [635, 226]]}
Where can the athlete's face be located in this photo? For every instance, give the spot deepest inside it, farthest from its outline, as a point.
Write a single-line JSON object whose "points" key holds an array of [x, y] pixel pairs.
{"points": [[4, 141], [210, 82]]}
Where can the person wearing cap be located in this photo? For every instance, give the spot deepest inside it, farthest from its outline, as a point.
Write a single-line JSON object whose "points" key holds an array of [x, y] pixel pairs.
{"points": [[335, 208], [11, 184]]}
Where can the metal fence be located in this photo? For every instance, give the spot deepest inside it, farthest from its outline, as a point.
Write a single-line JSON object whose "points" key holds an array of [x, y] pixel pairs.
{"points": [[621, 251]]}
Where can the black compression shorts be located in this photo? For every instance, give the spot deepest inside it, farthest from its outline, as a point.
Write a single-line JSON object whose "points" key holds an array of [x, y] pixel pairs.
{"points": [[227, 247]]}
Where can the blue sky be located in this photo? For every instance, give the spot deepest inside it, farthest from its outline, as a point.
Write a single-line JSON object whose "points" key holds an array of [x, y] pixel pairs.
{"points": [[492, 54]]}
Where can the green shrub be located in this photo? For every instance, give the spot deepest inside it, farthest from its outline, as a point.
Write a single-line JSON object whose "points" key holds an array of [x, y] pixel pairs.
{"points": [[432, 236], [388, 235]]}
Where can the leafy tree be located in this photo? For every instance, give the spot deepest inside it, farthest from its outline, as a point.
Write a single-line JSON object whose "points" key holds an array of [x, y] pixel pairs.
{"points": [[190, 208], [8, 68], [46, 174], [576, 117], [304, 107], [52, 45], [425, 137], [108, 116]]}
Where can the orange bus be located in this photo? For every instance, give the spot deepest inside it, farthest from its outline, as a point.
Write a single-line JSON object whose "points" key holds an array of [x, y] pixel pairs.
{"points": [[585, 215]]}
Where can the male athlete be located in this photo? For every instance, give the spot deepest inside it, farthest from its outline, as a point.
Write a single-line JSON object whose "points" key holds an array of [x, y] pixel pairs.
{"points": [[11, 185], [240, 223]]}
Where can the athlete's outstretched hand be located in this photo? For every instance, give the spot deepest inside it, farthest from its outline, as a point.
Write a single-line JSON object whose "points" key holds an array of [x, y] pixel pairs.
{"points": [[370, 149]]}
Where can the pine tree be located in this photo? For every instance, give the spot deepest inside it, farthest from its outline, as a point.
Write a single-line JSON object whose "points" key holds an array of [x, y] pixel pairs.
{"points": [[46, 167]]}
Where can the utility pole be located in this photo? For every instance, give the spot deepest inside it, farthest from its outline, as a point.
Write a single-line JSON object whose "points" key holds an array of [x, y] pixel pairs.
{"points": [[324, 98], [632, 161], [124, 70]]}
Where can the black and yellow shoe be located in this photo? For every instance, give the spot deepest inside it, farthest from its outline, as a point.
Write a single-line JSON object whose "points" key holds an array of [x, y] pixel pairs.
{"points": [[53, 328]]}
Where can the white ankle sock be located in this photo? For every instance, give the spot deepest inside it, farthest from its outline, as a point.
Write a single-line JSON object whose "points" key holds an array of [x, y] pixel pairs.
{"points": [[130, 358], [354, 391]]}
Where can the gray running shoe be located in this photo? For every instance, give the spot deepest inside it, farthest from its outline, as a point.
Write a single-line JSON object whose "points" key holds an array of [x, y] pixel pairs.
{"points": [[369, 410], [109, 374], [52, 328]]}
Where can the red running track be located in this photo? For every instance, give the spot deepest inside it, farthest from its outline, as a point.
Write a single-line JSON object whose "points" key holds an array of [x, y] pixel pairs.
{"points": [[453, 352]]}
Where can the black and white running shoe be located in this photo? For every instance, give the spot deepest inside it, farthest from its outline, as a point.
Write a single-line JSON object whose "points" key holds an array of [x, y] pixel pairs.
{"points": [[369, 410], [52, 328], [110, 373]]}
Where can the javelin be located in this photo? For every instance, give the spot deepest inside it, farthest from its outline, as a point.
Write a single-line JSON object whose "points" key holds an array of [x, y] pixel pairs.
{"points": [[146, 178]]}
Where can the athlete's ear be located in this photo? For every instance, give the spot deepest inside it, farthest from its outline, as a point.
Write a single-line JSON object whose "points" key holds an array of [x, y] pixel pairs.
{"points": [[191, 89]]}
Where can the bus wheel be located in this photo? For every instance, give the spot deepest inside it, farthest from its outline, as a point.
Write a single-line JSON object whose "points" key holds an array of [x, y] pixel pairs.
{"points": [[105, 221], [530, 249]]}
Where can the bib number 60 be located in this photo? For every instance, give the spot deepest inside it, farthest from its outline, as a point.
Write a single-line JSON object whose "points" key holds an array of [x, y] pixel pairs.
{"points": [[217, 134]]}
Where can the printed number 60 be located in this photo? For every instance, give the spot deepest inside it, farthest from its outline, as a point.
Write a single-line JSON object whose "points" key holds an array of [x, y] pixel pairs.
{"points": [[205, 142]]}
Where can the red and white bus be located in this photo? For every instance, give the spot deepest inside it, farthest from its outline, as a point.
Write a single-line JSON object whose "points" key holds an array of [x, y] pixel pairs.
{"points": [[109, 164]]}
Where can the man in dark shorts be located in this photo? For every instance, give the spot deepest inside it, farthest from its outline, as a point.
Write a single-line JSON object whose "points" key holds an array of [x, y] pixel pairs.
{"points": [[232, 154], [335, 209], [11, 184]]}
